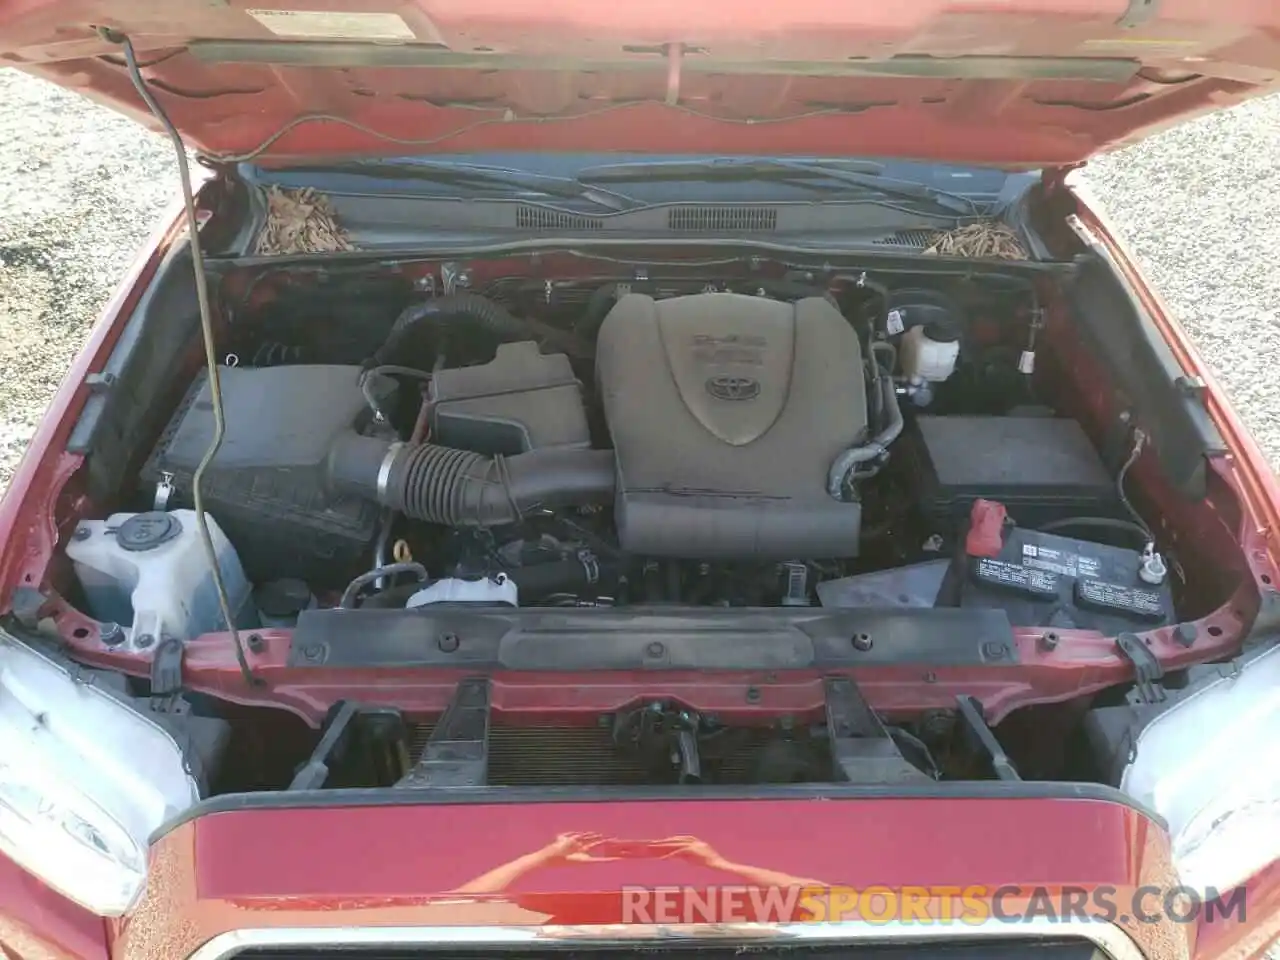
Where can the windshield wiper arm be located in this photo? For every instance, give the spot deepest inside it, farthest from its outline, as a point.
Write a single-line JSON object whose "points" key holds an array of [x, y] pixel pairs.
{"points": [[462, 174], [864, 176]]}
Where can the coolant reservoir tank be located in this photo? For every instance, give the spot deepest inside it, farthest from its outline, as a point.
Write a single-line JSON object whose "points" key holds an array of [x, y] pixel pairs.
{"points": [[149, 573]]}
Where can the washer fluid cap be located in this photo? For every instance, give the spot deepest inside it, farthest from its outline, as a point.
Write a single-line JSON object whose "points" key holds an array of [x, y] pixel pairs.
{"points": [[146, 531]]}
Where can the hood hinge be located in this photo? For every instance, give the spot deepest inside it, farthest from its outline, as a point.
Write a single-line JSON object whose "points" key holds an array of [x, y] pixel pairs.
{"points": [[222, 170], [1053, 179]]}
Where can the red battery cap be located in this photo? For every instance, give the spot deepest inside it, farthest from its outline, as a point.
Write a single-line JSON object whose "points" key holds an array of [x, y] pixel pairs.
{"points": [[986, 529]]}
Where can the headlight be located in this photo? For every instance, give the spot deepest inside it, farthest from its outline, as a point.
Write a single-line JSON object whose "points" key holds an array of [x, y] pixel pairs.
{"points": [[84, 780], [1210, 765]]}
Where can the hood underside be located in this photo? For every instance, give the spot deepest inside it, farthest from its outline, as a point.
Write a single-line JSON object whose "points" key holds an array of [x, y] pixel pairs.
{"points": [[1020, 83]]}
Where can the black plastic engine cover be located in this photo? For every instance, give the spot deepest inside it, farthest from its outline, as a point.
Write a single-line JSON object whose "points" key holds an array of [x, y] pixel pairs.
{"points": [[726, 412], [521, 400]]}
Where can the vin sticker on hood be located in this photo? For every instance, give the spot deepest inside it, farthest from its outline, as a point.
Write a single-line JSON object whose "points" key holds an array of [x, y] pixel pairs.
{"points": [[334, 24]]}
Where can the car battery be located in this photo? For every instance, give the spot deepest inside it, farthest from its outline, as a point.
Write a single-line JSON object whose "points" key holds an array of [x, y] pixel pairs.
{"points": [[1042, 580]]}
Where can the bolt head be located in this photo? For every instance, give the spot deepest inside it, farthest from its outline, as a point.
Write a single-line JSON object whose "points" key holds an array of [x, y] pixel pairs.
{"points": [[144, 640], [448, 642], [862, 641]]}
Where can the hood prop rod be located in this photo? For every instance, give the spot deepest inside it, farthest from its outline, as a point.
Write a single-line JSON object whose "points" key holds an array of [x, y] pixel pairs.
{"points": [[206, 328]]}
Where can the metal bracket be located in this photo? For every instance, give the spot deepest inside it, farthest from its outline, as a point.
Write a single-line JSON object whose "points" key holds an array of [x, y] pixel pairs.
{"points": [[166, 668], [457, 753], [166, 674], [981, 737], [452, 277], [861, 749], [26, 604], [100, 382], [1138, 12], [164, 490], [315, 772], [1193, 387], [1147, 671], [662, 733]]}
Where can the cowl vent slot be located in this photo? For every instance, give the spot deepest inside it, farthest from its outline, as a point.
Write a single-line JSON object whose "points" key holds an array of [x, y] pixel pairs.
{"points": [[717, 219], [914, 239], [541, 218]]}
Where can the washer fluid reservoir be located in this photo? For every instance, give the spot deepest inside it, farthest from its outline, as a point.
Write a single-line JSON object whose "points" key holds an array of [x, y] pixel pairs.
{"points": [[149, 572]]}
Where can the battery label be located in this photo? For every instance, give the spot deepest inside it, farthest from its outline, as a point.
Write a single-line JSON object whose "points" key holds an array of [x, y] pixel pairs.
{"points": [[1063, 562], [1011, 576], [1135, 601]]}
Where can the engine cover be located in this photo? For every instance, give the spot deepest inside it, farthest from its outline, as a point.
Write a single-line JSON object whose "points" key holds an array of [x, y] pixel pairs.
{"points": [[726, 412]]}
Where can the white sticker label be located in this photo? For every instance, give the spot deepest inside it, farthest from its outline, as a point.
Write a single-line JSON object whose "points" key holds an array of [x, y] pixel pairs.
{"points": [[893, 323], [334, 24], [1060, 561]]}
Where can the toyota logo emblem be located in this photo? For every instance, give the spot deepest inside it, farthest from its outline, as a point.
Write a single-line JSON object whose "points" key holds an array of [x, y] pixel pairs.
{"points": [[733, 388]]}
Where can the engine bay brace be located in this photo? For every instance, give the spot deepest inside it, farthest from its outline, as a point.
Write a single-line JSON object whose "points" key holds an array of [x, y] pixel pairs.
{"points": [[457, 752]]}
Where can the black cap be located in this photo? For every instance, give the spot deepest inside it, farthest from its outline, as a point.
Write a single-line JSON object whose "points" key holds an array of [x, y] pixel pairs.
{"points": [[146, 531], [940, 331]]}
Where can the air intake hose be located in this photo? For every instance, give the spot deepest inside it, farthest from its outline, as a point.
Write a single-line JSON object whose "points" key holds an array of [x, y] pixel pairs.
{"points": [[466, 308], [459, 488]]}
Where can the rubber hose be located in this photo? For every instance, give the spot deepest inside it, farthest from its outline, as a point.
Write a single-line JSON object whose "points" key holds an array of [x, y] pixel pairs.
{"points": [[459, 488], [560, 576], [470, 308], [598, 306], [377, 573], [874, 448]]}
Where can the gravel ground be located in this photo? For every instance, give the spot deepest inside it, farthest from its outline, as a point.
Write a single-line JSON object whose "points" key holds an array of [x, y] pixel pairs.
{"points": [[80, 187]]}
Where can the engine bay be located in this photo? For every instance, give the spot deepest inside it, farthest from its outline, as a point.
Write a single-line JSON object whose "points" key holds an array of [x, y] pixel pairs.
{"points": [[752, 477], [673, 442]]}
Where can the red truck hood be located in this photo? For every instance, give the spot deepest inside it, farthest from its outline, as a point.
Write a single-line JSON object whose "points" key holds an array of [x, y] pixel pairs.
{"points": [[411, 863], [1020, 83]]}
